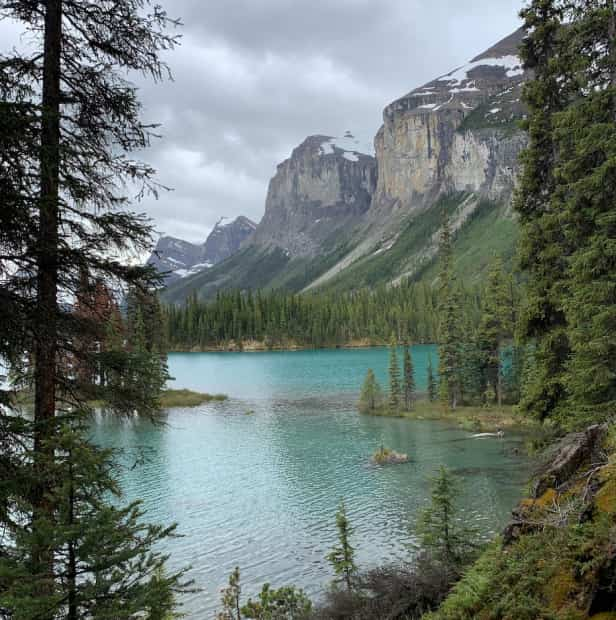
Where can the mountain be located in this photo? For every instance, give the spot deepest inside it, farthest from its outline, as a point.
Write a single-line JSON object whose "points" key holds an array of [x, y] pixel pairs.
{"points": [[179, 259], [326, 185], [338, 218]]}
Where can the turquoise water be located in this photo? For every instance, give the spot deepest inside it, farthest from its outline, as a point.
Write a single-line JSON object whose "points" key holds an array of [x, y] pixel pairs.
{"points": [[261, 490]]}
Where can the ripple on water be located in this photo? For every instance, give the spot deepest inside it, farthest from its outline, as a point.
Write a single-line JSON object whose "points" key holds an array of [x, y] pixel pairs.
{"points": [[261, 490]]}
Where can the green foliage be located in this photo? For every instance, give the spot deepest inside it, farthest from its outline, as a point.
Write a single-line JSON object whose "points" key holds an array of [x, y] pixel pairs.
{"points": [[497, 322], [395, 390], [409, 379], [70, 132], [134, 359], [450, 336], [543, 250], [371, 399], [432, 383], [310, 319], [230, 598], [565, 202], [286, 603], [342, 555], [440, 527]]}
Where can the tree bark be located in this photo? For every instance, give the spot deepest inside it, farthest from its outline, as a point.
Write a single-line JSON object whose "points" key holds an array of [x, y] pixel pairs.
{"points": [[45, 358]]}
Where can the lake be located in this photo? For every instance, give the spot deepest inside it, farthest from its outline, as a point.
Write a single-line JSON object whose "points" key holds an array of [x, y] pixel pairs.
{"points": [[255, 481]]}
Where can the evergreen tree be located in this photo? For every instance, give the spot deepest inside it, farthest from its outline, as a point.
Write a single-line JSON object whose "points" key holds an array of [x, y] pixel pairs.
{"points": [[495, 325], [409, 379], [286, 603], [68, 123], [440, 528], [342, 555], [449, 318], [230, 598], [432, 384], [371, 398], [585, 179], [542, 248], [395, 390]]}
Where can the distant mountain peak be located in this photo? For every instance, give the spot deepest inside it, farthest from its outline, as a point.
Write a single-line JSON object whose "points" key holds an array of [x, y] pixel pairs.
{"points": [[180, 259]]}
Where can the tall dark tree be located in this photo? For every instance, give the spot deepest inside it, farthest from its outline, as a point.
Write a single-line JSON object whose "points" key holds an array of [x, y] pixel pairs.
{"points": [[432, 383], [395, 388], [69, 120], [496, 326], [450, 337], [543, 248], [409, 378], [585, 174]]}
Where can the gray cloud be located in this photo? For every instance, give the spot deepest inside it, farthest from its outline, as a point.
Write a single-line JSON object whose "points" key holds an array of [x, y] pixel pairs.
{"points": [[253, 78]]}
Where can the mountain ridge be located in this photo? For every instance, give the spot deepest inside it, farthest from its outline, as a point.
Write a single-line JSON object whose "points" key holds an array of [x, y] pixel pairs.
{"points": [[450, 144], [175, 258]]}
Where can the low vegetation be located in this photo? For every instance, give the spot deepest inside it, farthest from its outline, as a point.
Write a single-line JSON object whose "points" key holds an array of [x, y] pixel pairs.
{"points": [[188, 398], [386, 456], [558, 558]]}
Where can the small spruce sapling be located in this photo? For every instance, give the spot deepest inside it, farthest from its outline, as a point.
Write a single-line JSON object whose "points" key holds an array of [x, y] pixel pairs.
{"points": [[440, 528], [371, 397], [342, 555]]}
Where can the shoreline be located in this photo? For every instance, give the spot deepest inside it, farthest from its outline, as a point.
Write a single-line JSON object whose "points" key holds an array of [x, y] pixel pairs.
{"points": [[289, 347]]}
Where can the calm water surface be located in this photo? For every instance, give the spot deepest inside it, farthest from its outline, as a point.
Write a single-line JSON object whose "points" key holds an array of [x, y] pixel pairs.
{"points": [[255, 481]]}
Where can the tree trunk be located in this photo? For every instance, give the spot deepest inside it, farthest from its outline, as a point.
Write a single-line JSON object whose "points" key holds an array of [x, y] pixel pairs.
{"points": [[45, 359]]}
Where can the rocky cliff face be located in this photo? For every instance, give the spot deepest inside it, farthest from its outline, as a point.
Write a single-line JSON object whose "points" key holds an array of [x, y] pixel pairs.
{"points": [[451, 145], [226, 239], [456, 133], [327, 184], [179, 259]]}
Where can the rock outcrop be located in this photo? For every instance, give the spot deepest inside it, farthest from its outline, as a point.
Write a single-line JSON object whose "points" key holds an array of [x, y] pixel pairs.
{"points": [[178, 259], [226, 239], [456, 133], [327, 184], [341, 213]]}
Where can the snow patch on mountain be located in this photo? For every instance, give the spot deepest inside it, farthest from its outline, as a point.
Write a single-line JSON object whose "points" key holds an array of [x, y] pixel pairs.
{"points": [[350, 145]]}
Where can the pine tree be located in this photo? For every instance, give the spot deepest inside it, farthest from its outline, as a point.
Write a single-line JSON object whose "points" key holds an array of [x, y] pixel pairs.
{"points": [[230, 598], [585, 175], [409, 379], [395, 391], [449, 319], [495, 325], [371, 398], [440, 528], [543, 249], [68, 123], [432, 384], [342, 555]]}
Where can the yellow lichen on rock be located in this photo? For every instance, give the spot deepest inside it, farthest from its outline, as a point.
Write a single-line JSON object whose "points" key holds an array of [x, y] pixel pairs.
{"points": [[606, 496], [561, 589]]}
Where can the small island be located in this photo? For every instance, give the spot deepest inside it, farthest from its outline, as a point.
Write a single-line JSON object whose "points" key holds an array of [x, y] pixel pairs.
{"points": [[385, 456], [188, 398], [168, 399]]}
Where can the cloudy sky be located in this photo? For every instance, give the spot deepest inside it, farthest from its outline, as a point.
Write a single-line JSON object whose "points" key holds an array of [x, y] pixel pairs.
{"points": [[253, 78]]}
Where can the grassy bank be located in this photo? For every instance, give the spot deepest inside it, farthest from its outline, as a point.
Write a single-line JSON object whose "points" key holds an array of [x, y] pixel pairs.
{"points": [[473, 419], [169, 398], [188, 398]]}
